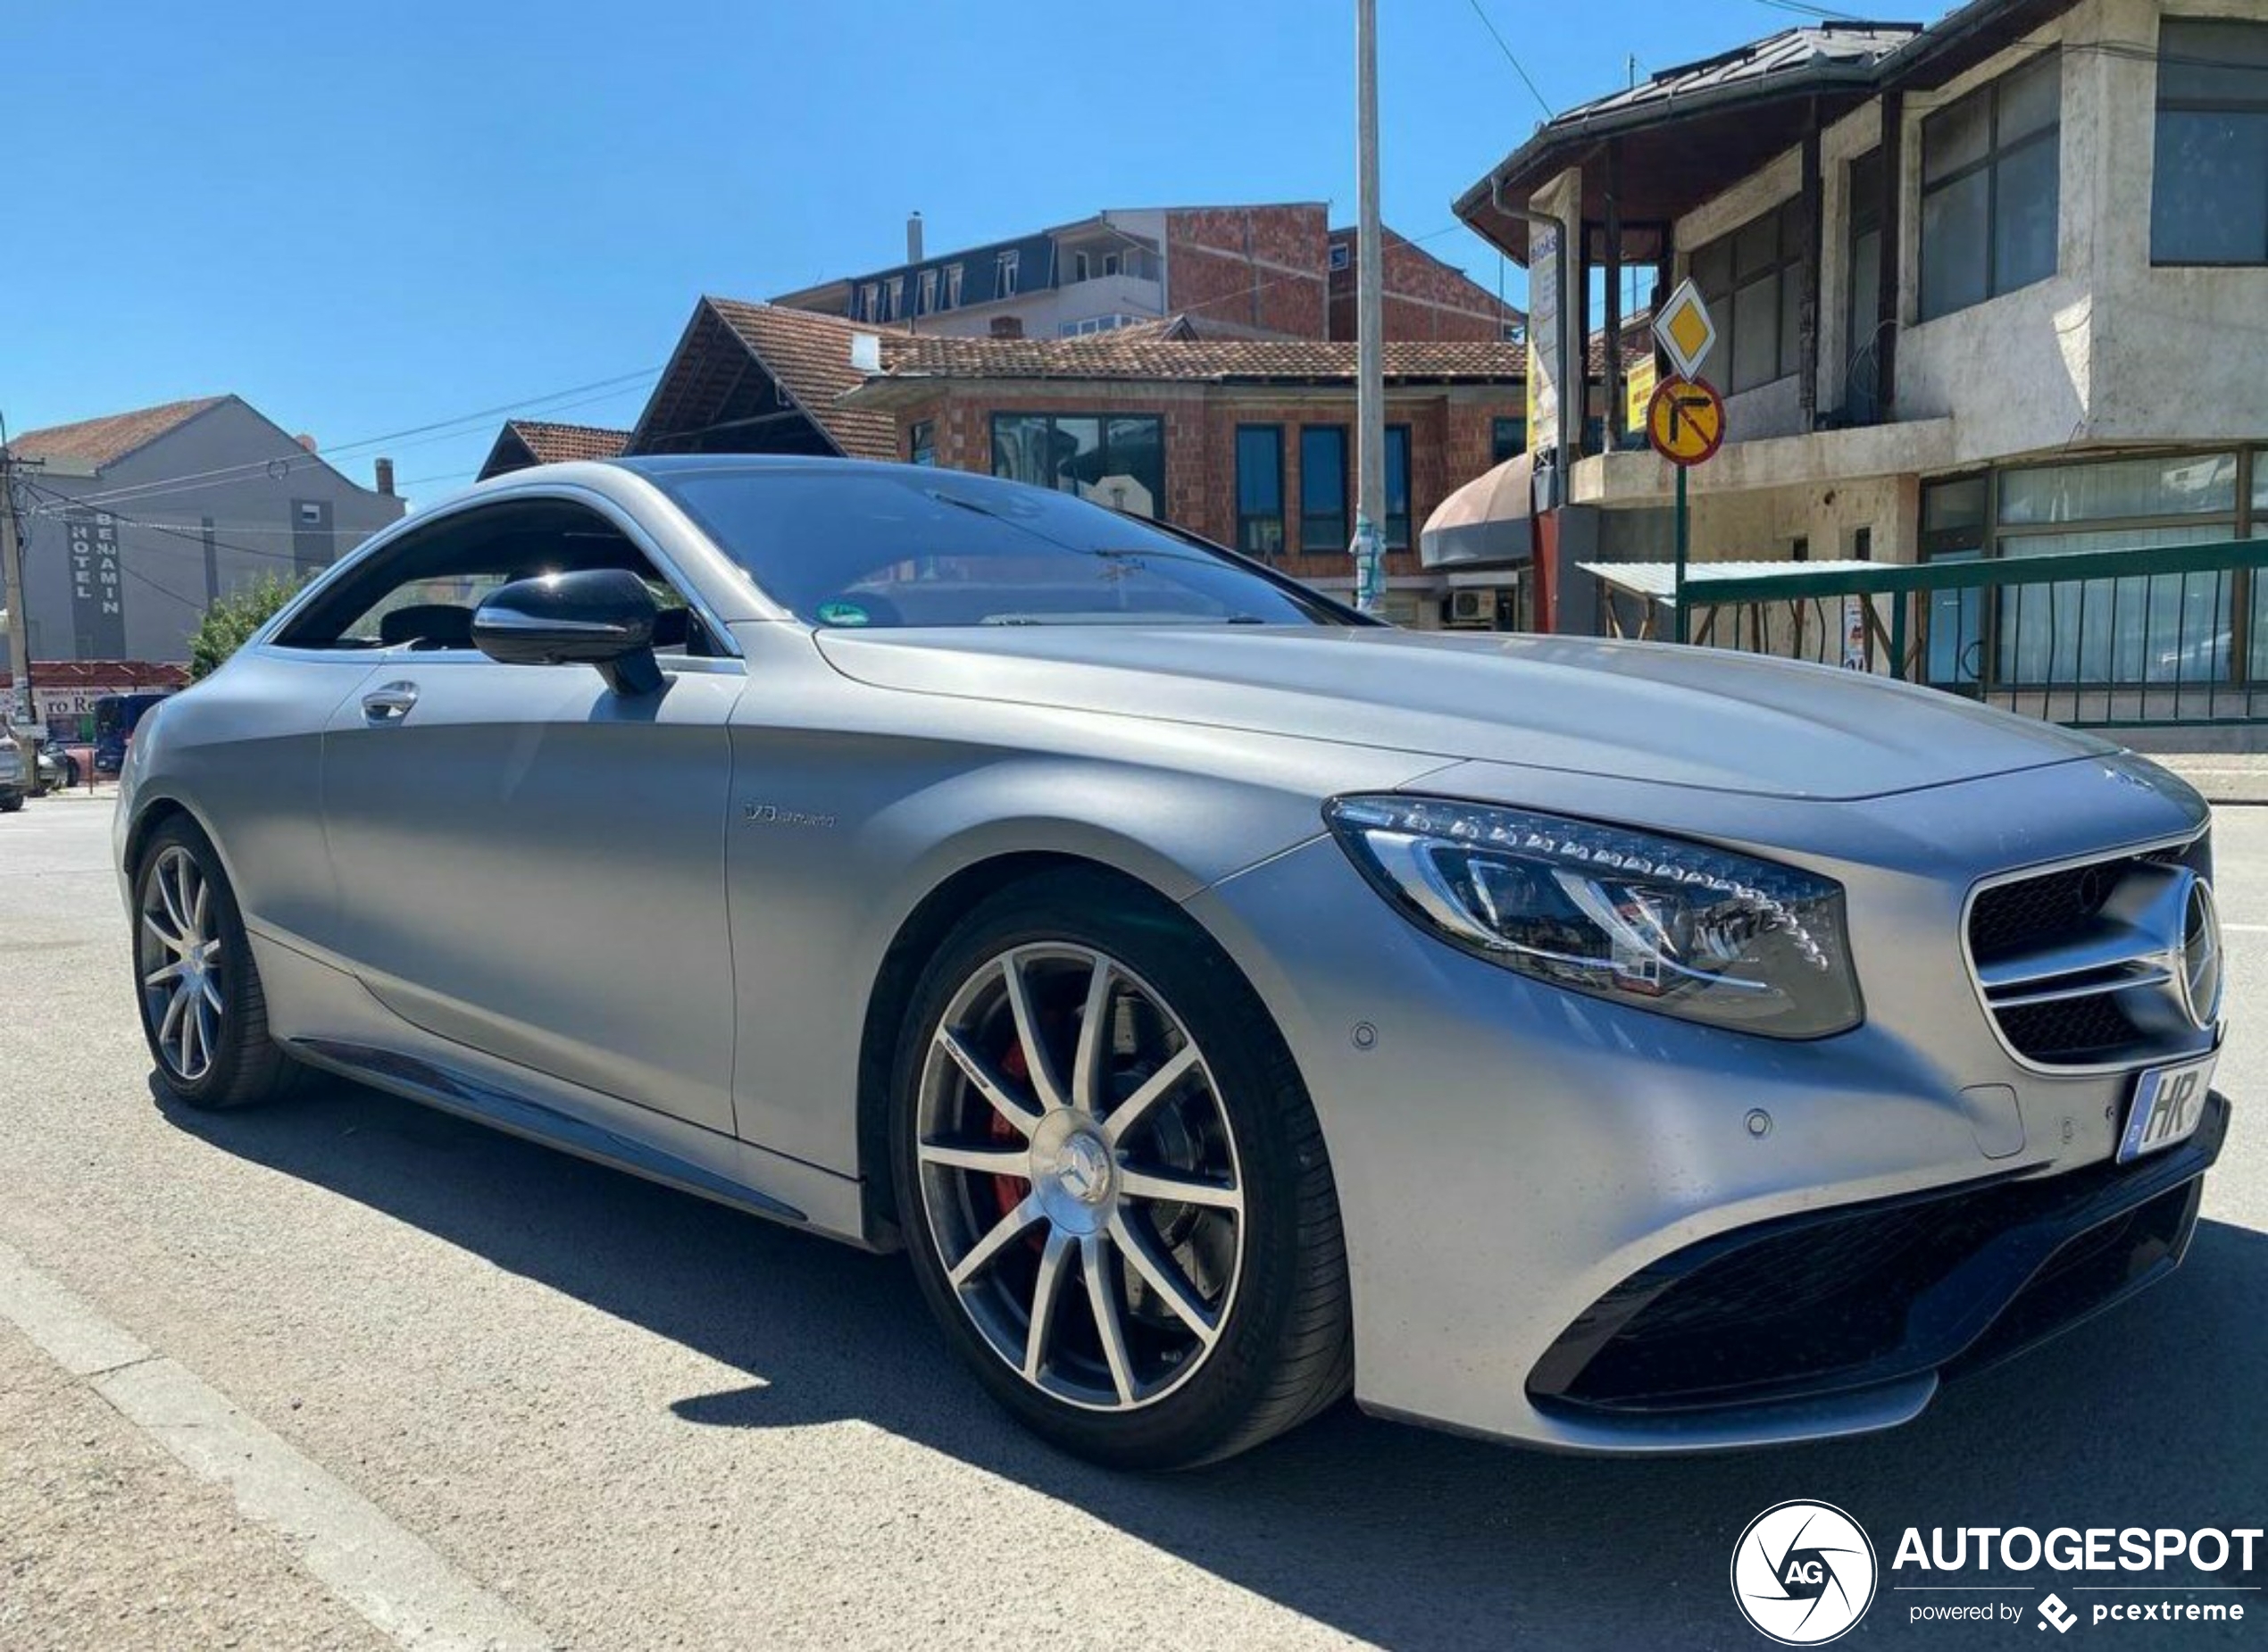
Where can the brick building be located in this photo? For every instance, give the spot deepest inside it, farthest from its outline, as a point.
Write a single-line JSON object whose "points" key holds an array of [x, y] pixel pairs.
{"points": [[1249, 441], [1277, 271], [1422, 297]]}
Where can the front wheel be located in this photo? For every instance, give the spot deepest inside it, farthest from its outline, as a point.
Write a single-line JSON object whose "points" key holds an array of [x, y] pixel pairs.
{"points": [[204, 1013], [1113, 1183]]}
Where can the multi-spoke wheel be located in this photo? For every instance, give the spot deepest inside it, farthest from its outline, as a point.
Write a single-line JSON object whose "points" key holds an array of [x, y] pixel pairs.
{"points": [[182, 967], [203, 1011], [1113, 1183]]}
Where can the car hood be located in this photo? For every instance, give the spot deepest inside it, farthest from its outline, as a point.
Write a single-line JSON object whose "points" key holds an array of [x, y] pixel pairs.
{"points": [[1677, 716]]}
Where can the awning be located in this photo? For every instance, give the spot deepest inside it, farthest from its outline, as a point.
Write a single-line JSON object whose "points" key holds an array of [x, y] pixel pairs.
{"points": [[1488, 522]]}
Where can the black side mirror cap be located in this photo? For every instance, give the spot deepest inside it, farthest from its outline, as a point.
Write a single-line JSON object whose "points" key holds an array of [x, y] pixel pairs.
{"points": [[601, 617]]}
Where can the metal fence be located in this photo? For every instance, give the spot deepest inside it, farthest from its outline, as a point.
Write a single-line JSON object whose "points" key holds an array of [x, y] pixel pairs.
{"points": [[2110, 639]]}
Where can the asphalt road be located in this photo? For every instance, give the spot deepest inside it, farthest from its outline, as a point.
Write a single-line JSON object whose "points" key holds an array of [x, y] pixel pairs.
{"points": [[633, 1419]]}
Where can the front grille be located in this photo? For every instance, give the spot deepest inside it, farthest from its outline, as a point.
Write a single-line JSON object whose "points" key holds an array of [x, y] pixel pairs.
{"points": [[2070, 1030], [2070, 975], [2011, 918]]}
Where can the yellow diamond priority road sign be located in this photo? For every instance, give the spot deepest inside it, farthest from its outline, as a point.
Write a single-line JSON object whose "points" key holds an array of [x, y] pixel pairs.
{"points": [[1685, 331]]}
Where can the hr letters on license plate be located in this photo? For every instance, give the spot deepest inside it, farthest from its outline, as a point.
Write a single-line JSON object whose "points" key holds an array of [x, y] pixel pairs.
{"points": [[2168, 1102]]}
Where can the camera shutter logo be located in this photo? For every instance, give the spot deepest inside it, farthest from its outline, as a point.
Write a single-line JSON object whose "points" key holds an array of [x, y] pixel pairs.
{"points": [[1803, 1573]]}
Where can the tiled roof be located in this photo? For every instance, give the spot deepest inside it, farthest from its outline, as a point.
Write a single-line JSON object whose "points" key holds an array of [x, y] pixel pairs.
{"points": [[98, 442], [1637, 343], [1821, 45], [552, 444], [1157, 352], [808, 355]]}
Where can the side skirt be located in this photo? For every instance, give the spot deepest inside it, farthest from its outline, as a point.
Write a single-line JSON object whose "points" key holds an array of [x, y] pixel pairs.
{"points": [[435, 1086]]}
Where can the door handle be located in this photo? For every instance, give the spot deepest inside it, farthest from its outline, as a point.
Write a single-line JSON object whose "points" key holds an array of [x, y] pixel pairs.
{"points": [[389, 704]]}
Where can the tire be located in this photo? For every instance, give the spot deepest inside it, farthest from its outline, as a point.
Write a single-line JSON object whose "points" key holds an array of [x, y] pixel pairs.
{"points": [[226, 1059], [10, 802], [1232, 1321]]}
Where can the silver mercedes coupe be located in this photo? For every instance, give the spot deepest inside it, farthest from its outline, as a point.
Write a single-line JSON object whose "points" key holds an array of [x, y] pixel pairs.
{"points": [[1226, 1001]]}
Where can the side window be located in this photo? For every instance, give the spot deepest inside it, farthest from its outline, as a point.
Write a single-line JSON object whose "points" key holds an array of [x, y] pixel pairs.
{"points": [[420, 592]]}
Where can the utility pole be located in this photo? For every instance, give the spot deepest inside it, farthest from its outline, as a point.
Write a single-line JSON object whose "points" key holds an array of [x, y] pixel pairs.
{"points": [[20, 706], [1370, 326]]}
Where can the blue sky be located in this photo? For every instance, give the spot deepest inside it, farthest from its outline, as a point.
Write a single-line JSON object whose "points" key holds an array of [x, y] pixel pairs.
{"points": [[365, 219]]}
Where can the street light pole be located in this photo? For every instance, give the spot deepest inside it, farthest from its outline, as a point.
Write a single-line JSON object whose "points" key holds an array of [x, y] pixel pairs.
{"points": [[1369, 368]]}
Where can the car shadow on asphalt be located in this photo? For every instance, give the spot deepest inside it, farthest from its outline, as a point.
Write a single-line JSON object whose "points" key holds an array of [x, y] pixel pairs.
{"points": [[1392, 1534]]}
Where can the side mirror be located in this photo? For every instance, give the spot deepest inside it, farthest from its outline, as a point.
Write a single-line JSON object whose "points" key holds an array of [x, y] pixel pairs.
{"points": [[598, 616]]}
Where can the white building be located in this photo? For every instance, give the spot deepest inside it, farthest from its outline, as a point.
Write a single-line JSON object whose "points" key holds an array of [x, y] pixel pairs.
{"points": [[1993, 288]]}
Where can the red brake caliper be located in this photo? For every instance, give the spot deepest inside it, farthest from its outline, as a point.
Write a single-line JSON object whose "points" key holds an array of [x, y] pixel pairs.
{"points": [[1009, 1191]]}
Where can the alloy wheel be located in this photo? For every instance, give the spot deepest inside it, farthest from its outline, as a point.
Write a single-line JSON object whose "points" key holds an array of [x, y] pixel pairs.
{"points": [[1080, 1177], [179, 958]]}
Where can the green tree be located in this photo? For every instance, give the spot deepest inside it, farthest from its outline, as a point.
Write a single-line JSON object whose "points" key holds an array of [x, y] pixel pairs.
{"points": [[232, 618]]}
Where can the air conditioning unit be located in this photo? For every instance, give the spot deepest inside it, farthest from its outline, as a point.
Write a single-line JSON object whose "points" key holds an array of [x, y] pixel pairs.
{"points": [[1473, 608]]}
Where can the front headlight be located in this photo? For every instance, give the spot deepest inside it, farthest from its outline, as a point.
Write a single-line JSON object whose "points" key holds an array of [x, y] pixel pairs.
{"points": [[1678, 928]]}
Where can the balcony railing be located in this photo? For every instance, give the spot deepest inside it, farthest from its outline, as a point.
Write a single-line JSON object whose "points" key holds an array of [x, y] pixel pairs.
{"points": [[2109, 639]]}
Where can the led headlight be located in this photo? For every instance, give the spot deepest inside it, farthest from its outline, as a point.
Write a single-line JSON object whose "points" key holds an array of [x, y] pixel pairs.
{"points": [[1680, 927]]}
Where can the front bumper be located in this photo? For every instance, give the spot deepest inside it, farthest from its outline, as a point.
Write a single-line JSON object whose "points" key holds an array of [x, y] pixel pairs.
{"points": [[1524, 1172]]}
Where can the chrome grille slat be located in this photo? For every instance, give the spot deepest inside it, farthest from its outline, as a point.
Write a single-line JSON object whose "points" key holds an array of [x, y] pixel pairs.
{"points": [[2074, 964]]}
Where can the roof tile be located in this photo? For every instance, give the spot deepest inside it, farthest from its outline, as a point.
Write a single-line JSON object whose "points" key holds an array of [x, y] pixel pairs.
{"points": [[104, 441]]}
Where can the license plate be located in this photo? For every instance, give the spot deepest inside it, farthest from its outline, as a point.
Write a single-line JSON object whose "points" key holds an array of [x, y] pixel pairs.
{"points": [[2168, 1102]]}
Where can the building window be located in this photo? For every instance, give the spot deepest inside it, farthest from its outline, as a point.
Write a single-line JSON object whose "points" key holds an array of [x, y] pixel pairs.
{"points": [[892, 289], [953, 287], [1079, 266], [1260, 490], [1397, 487], [1094, 324], [929, 299], [2140, 628], [1005, 283], [1341, 255], [1506, 436], [1991, 189], [1110, 263], [1115, 460], [1322, 488], [1752, 280], [921, 441], [871, 302], [2209, 202], [1864, 280]]}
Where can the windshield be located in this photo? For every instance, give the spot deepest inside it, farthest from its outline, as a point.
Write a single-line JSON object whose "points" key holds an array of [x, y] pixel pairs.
{"points": [[859, 546]]}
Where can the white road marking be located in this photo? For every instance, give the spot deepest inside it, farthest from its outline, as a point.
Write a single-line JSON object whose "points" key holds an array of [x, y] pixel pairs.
{"points": [[382, 1570], [2244, 928]]}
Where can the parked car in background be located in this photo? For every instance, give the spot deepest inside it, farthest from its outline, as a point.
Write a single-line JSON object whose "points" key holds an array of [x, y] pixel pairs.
{"points": [[1229, 1001], [115, 717], [14, 783]]}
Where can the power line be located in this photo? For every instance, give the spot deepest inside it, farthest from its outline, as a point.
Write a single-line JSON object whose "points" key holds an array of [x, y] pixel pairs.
{"points": [[553, 401], [1512, 58]]}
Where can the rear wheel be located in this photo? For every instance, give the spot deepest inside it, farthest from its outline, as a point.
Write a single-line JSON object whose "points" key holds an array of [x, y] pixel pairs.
{"points": [[204, 1013], [1112, 1183]]}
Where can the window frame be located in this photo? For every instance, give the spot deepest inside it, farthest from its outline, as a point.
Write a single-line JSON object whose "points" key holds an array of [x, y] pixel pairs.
{"points": [[1409, 501], [2201, 105], [953, 286], [1784, 217], [369, 560], [1995, 156], [926, 299], [1988, 538], [1248, 520], [1496, 427], [1344, 517], [1103, 422], [1006, 271], [922, 442]]}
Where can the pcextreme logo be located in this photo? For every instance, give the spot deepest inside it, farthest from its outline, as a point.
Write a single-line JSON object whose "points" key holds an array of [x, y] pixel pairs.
{"points": [[1803, 1573]]}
